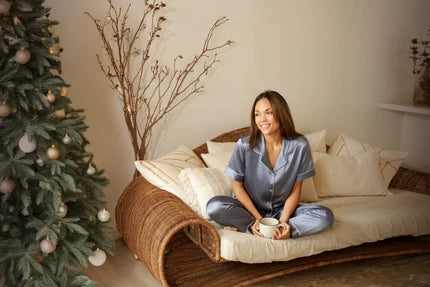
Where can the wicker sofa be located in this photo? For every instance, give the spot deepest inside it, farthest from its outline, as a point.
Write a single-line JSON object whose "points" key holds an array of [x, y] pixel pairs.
{"points": [[182, 249]]}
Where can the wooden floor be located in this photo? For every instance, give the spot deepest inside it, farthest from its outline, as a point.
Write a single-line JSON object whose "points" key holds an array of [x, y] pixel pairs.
{"points": [[123, 270]]}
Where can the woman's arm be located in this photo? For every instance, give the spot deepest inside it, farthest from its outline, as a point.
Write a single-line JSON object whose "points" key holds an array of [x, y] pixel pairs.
{"points": [[289, 207], [243, 197]]}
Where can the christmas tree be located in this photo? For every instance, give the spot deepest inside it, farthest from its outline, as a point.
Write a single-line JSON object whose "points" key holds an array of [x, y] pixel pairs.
{"points": [[52, 218]]}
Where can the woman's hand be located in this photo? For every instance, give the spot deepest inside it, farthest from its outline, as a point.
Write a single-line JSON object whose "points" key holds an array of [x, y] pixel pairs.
{"points": [[283, 232], [255, 228]]}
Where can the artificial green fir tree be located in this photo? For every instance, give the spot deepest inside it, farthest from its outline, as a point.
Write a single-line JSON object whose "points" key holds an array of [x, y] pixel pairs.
{"points": [[52, 219]]}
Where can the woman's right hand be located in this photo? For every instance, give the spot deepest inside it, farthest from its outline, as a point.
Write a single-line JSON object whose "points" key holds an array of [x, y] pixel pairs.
{"points": [[255, 228]]}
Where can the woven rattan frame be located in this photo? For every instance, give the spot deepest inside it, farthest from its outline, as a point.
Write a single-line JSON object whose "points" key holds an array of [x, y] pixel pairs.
{"points": [[152, 220]]}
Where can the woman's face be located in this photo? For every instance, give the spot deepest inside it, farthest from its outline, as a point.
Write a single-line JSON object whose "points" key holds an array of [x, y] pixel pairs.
{"points": [[264, 118]]}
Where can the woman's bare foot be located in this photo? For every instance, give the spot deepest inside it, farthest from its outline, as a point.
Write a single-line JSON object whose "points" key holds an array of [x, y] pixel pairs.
{"points": [[230, 228]]}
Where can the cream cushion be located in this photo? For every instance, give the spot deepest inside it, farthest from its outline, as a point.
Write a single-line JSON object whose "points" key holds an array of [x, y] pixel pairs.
{"points": [[216, 147], [201, 184], [164, 172], [348, 175], [358, 220], [389, 160]]}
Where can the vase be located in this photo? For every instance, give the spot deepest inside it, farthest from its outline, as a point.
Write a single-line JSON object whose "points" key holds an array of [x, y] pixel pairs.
{"points": [[422, 87]]}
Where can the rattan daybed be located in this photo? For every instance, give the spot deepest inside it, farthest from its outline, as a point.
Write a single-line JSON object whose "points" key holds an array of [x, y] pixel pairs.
{"points": [[182, 249]]}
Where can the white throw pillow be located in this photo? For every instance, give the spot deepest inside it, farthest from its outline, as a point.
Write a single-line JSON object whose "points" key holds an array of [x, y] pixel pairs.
{"points": [[217, 160], [201, 184], [164, 172], [389, 160], [357, 175], [216, 147]]}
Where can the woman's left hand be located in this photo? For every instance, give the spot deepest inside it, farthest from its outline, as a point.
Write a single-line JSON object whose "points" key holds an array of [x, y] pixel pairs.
{"points": [[283, 232]]}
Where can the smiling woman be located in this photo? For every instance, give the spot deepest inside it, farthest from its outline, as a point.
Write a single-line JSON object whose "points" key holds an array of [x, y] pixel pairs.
{"points": [[267, 169]]}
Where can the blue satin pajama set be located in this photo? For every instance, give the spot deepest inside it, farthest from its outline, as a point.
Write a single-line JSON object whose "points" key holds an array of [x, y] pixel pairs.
{"points": [[269, 187]]}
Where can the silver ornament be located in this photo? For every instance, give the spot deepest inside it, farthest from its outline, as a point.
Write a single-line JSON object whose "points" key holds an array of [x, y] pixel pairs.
{"points": [[47, 246], [63, 210], [40, 162], [26, 145], [103, 215], [22, 56], [67, 139], [99, 257], [91, 170]]}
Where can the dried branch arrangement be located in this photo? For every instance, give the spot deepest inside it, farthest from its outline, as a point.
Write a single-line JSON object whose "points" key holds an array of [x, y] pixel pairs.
{"points": [[148, 89], [419, 57]]}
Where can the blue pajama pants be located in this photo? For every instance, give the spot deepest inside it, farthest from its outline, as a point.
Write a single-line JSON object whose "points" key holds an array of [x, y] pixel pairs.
{"points": [[306, 219]]}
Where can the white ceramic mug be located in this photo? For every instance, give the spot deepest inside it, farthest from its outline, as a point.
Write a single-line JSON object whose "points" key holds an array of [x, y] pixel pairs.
{"points": [[268, 225]]}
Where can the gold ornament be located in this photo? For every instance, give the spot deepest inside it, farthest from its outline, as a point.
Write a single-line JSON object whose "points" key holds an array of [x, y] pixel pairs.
{"points": [[5, 110], [50, 96], [53, 153], [64, 91], [51, 30], [16, 20], [63, 210], [54, 50], [60, 113]]}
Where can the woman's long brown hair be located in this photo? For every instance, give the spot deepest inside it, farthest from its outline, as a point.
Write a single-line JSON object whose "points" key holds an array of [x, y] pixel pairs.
{"points": [[281, 113]]}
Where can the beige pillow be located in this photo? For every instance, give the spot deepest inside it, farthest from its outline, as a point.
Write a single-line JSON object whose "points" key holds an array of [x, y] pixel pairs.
{"points": [[216, 147], [217, 160], [201, 184], [357, 175], [389, 160], [317, 141], [164, 172]]}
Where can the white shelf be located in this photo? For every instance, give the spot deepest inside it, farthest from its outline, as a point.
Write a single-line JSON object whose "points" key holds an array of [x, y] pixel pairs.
{"points": [[411, 109]]}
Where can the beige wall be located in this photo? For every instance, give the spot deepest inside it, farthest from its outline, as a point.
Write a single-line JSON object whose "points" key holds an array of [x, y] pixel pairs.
{"points": [[333, 60]]}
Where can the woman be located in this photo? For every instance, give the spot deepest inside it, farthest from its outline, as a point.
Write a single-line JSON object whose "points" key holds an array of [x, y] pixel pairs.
{"points": [[267, 169]]}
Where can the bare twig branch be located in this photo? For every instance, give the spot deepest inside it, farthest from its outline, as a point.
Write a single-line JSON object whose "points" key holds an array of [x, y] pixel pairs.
{"points": [[149, 92]]}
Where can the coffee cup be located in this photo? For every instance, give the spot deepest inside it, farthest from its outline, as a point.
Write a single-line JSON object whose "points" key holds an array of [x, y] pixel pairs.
{"points": [[268, 225]]}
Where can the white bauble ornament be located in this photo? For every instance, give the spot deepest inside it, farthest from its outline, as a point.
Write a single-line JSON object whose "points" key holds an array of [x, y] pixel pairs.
{"points": [[47, 246], [67, 139], [103, 215], [99, 257], [26, 145], [40, 162], [7, 185], [4, 7], [60, 114], [22, 56], [53, 152], [63, 210], [5, 110], [25, 212], [91, 170], [50, 96], [5, 228]]}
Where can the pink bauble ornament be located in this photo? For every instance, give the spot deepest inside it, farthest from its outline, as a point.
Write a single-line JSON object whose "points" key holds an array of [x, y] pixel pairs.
{"points": [[7, 185], [99, 257], [103, 215], [22, 56], [26, 145], [63, 210], [5, 110], [47, 246], [4, 7], [53, 152]]}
